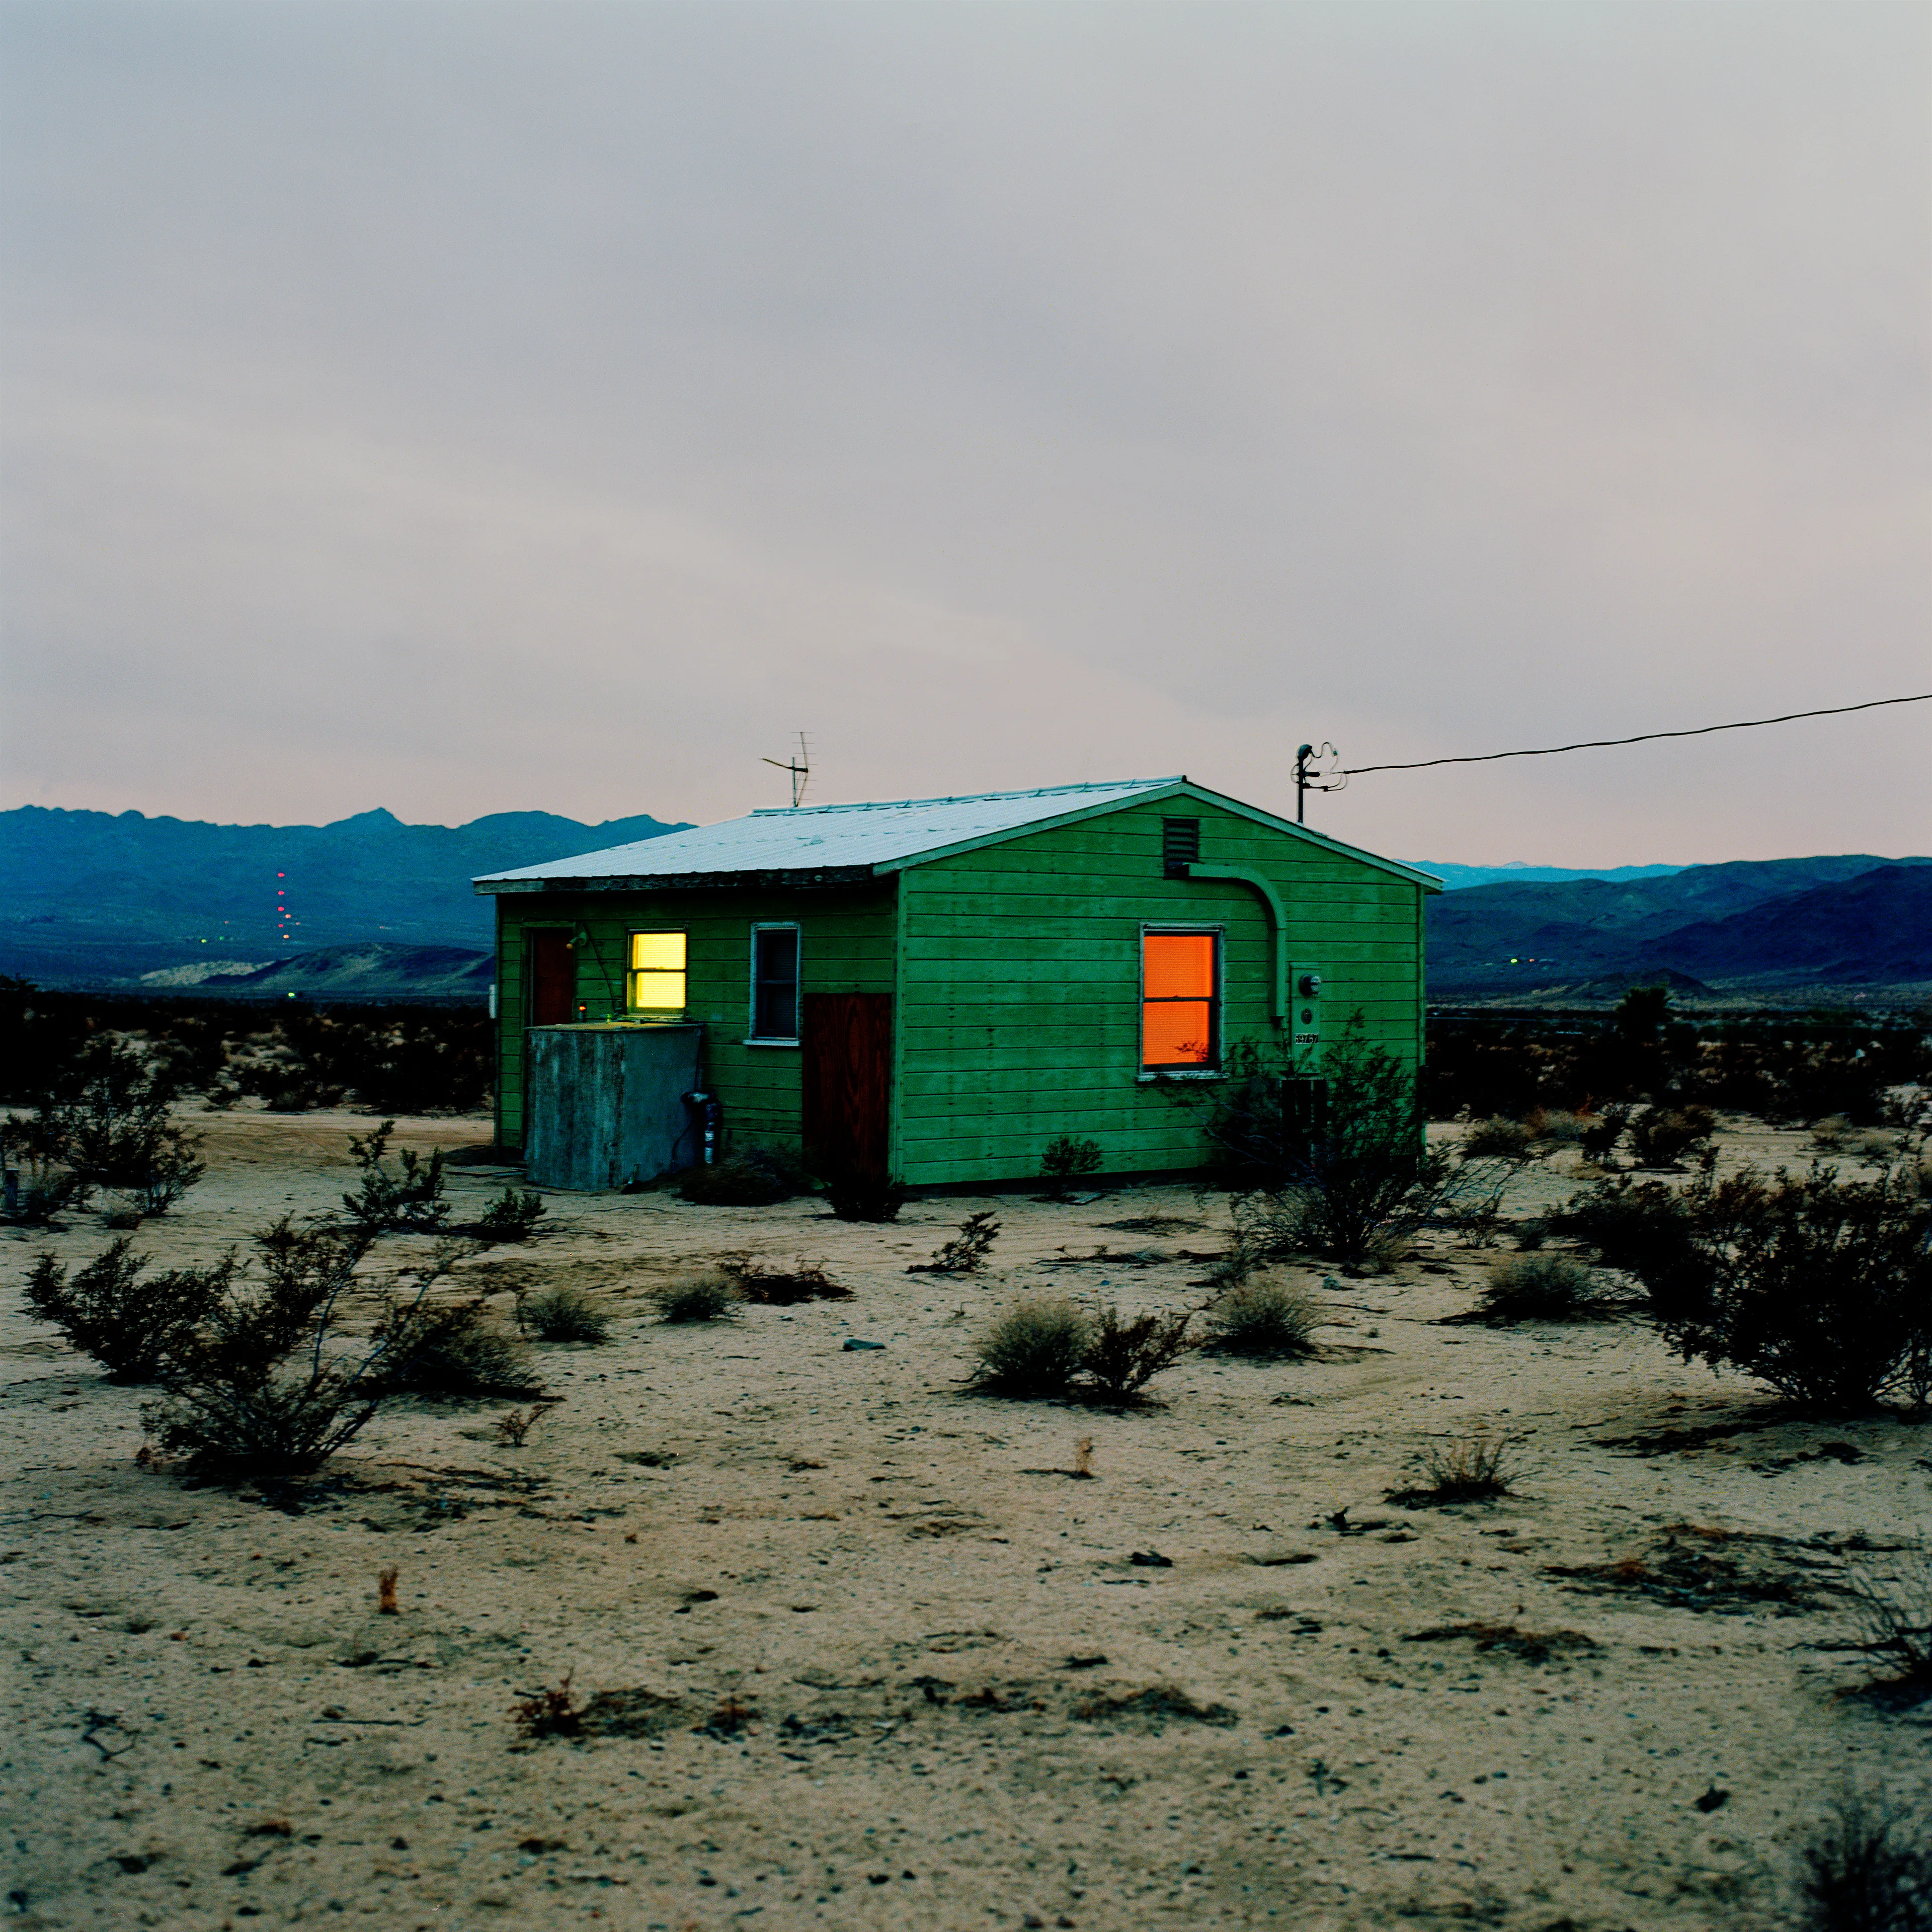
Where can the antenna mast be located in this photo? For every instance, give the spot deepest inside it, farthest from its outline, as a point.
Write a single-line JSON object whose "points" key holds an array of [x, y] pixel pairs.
{"points": [[800, 768]]}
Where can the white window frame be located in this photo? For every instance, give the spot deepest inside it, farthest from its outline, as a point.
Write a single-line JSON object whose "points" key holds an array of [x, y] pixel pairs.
{"points": [[656, 932], [752, 1036], [1219, 931]]}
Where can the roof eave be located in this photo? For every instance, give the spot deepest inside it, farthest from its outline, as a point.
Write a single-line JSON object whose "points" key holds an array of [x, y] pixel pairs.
{"points": [[794, 877]]}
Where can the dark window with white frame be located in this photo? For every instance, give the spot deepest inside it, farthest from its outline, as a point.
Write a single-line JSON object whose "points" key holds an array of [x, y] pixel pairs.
{"points": [[775, 956]]}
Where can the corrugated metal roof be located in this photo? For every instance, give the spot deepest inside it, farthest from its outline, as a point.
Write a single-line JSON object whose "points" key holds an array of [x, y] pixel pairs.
{"points": [[823, 838]]}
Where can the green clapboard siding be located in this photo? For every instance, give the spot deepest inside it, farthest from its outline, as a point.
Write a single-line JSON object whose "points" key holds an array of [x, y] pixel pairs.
{"points": [[1015, 971], [1019, 984], [846, 945]]}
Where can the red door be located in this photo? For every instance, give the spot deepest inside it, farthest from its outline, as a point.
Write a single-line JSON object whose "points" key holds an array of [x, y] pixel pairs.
{"points": [[552, 978], [847, 1049]]}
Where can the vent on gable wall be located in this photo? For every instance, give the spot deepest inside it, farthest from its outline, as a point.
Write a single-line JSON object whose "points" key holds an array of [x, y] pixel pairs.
{"points": [[1180, 845]]}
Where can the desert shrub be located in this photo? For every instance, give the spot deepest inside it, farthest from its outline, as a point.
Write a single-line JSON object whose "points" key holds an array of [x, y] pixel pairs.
{"points": [[1366, 1177], [38, 1184], [1035, 1348], [1867, 1868], [1820, 1287], [755, 1177], [1600, 1133], [1498, 1134], [106, 1118], [411, 1199], [1638, 1226], [286, 1087], [564, 1315], [861, 1197], [1266, 1315], [1122, 1356], [1892, 1606], [1067, 1157], [1555, 1123], [512, 1216], [698, 1297], [131, 1322], [773, 1286], [966, 1251], [1540, 1287], [270, 1391], [1474, 1468], [1262, 1117], [451, 1350], [1531, 1233], [1661, 1136]]}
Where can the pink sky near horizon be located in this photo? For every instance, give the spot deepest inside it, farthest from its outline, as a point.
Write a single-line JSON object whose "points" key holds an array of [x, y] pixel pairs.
{"points": [[558, 408]]}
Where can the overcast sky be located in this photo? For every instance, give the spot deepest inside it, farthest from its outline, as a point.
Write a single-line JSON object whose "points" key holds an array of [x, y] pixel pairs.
{"points": [[467, 407]]}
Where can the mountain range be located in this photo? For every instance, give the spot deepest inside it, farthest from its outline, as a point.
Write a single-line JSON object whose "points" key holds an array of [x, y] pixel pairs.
{"points": [[371, 906], [93, 897], [1761, 926]]}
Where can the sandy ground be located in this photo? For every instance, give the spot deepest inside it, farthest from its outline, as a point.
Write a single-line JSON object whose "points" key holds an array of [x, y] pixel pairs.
{"points": [[892, 1665]]}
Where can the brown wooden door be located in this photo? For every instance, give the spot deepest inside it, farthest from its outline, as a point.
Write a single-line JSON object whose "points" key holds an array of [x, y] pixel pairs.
{"points": [[552, 978], [847, 1048]]}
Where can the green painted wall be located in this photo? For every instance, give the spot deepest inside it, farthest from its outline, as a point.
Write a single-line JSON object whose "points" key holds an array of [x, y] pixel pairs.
{"points": [[1015, 971], [846, 938], [1019, 986]]}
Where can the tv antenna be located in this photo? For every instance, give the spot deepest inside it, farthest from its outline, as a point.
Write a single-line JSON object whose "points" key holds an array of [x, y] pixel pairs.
{"points": [[800, 768], [1316, 771]]}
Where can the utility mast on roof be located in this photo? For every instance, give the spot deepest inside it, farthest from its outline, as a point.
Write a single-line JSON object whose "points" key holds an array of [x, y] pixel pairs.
{"points": [[800, 768]]}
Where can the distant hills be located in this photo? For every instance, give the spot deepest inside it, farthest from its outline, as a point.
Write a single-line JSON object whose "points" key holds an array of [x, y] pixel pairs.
{"points": [[373, 908], [1750, 927], [93, 898]]}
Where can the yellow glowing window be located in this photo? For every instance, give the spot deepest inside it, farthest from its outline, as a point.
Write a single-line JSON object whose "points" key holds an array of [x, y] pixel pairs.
{"points": [[656, 979], [1179, 1001]]}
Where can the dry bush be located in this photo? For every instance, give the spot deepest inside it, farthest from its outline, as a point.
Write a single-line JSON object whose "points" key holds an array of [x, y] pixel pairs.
{"points": [[1828, 1135], [713, 1296], [1661, 1136], [1891, 1605], [1867, 1868], [865, 1198], [966, 1251], [1122, 1356], [1267, 1315], [132, 1323], [512, 1428], [1035, 1348], [563, 1315], [268, 1392], [755, 1177], [773, 1286], [512, 1216], [1068, 1157], [1513, 1140], [1556, 1123], [386, 1202], [1539, 1287], [1474, 1468], [451, 1352]]}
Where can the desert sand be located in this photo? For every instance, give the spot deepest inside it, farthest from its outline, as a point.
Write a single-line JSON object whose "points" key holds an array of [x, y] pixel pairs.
{"points": [[887, 1661]]}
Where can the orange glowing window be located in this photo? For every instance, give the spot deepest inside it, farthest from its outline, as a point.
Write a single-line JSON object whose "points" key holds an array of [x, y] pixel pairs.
{"points": [[1180, 999]]}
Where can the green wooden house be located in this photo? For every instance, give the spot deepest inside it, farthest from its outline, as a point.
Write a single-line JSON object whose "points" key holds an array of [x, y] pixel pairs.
{"points": [[934, 988]]}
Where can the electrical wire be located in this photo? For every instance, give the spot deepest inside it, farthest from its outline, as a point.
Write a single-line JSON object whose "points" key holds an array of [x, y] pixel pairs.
{"points": [[1642, 737]]}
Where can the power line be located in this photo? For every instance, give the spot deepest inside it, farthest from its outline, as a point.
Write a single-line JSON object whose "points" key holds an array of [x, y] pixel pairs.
{"points": [[1642, 737]]}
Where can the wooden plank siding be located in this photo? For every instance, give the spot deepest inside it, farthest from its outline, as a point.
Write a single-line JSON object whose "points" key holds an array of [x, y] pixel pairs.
{"points": [[1019, 978], [846, 942], [1014, 972]]}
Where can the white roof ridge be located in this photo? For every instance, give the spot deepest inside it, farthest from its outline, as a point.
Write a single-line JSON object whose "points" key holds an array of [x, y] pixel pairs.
{"points": [[964, 797]]}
